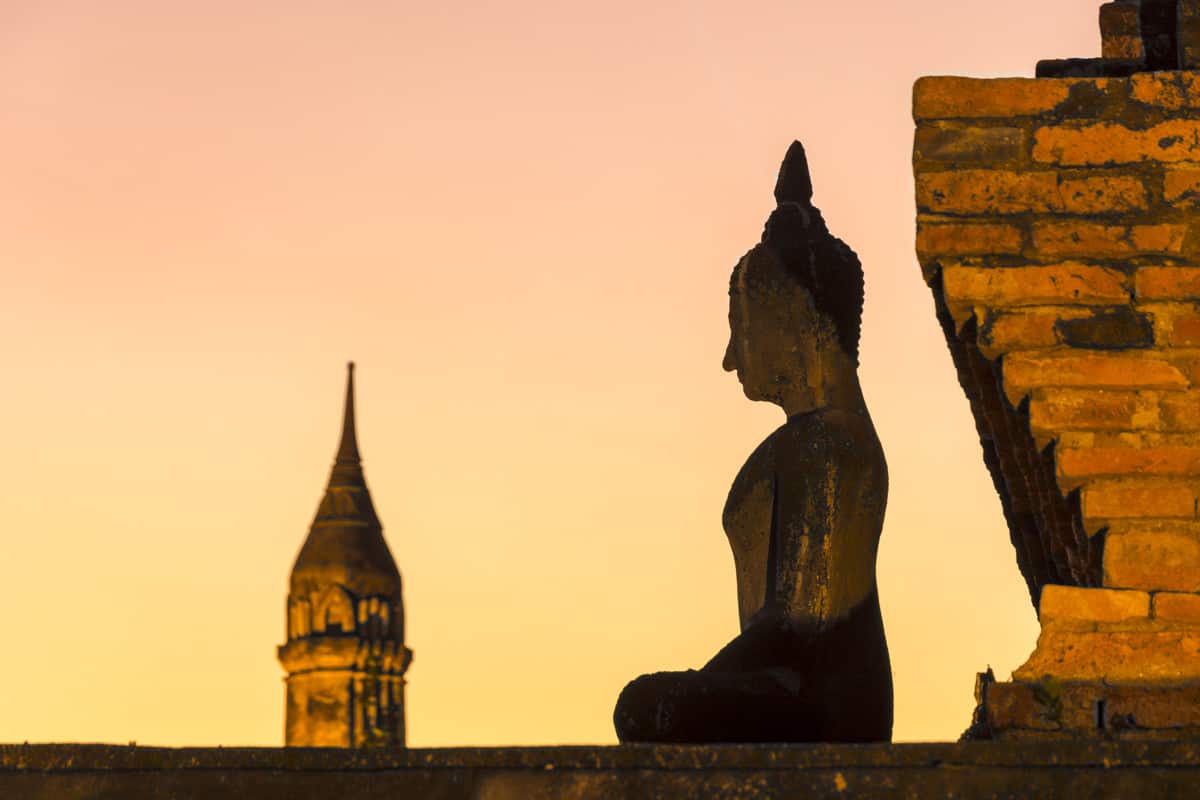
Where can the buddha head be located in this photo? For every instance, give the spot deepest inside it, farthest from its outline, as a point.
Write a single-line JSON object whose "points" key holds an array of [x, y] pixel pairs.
{"points": [[795, 304]]}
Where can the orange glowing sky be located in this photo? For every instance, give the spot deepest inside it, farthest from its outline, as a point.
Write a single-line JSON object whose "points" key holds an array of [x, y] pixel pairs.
{"points": [[519, 219]]}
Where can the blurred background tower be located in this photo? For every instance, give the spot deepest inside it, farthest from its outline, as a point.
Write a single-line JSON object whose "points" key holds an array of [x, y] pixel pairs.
{"points": [[345, 656]]}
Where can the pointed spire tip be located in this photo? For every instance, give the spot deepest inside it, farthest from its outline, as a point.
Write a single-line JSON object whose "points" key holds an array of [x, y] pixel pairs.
{"points": [[347, 452]]}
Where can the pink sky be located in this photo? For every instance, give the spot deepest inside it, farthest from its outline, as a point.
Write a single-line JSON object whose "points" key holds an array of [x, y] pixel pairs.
{"points": [[519, 219]]}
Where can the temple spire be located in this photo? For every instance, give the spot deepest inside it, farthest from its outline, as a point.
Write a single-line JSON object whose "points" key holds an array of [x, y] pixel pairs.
{"points": [[347, 466], [348, 449], [345, 656]]}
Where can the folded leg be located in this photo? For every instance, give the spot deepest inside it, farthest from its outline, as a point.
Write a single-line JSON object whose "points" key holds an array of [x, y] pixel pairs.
{"points": [[767, 705]]}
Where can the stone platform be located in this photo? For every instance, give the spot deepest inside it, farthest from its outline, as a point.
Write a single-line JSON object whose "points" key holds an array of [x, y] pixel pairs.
{"points": [[970, 770]]}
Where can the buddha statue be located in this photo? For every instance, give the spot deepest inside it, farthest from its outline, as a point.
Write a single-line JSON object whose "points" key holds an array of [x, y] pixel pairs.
{"points": [[803, 517]]}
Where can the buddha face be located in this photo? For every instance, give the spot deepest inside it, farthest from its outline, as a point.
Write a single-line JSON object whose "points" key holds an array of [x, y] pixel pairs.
{"points": [[778, 341]]}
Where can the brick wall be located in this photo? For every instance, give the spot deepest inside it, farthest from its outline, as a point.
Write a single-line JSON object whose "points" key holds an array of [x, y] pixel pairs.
{"points": [[1057, 227]]}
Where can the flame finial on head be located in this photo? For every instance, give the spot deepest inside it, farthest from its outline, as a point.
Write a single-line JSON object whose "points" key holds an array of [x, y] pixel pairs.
{"points": [[794, 184]]}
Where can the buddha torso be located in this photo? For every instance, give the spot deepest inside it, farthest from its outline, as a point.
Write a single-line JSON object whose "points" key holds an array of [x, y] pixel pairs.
{"points": [[804, 517]]}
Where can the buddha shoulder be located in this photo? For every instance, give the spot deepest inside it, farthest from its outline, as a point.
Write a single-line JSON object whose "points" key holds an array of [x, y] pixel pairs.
{"points": [[812, 449], [825, 437]]}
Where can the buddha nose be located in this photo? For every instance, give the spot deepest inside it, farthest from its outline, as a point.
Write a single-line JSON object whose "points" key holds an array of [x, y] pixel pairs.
{"points": [[729, 363]]}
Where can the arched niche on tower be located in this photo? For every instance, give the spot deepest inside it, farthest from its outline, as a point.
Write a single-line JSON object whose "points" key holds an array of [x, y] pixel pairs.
{"points": [[335, 612], [299, 618]]}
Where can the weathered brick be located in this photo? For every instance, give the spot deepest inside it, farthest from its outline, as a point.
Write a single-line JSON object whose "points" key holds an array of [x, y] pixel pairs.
{"points": [[1119, 328], [1026, 286], [1120, 32], [1180, 411], [968, 145], [1171, 91], [1110, 143], [953, 97], [1023, 371], [1120, 19], [1164, 709], [1167, 708], [987, 191], [1121, 47], [1082, 409], [1152, 560], [1022, 330], [1102, 194], [1187, 362], [1124, 500], [1067, 438], [1182, 186], [1187, 31], [1098, 461], [1167, 283], [1115, 657], [963, 239], [1059, 603], [1185, 330], [1177, 606], [1069, 708], [993, 191], [1020, 705], [1092, 240]]}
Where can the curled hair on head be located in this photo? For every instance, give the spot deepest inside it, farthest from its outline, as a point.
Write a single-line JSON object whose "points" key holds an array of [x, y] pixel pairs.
{"points": [[822, 263]]}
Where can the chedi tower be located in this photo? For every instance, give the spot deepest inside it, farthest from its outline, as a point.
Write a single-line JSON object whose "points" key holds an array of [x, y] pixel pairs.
{"points": [[345, 656]]}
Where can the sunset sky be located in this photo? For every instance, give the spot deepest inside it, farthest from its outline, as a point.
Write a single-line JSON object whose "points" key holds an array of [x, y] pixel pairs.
{"points": [[519, 220]]}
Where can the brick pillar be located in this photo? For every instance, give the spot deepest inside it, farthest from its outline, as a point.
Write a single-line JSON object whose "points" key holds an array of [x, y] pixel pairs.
{"points": [[1057, 227], [1189, 34], [1120, 30]]}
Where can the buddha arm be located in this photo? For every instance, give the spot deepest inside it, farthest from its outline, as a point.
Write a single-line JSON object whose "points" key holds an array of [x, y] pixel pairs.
{"points": [[823, 534]]}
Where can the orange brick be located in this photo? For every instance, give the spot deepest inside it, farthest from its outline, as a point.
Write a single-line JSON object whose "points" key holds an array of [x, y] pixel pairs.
{"points": [[1168, 90], [1163, 498], [1021, 330], [1096, 461], [1152, 560], [984, 145], [996, 191], [988, 191], [1110, 371], [954, 239], [1025, 286], [1177, 606], [1098, 195], [1181, 185], [1185, 331], [953, 97], [1116, 657], [1187, 362], [1092, 240], [1109, 143], [1180, 411], [1082, 410], [1061, 603], [1167, 283]]}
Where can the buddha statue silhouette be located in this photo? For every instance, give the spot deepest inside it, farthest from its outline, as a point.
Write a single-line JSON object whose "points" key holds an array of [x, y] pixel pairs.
{"points": [[804, 514]]}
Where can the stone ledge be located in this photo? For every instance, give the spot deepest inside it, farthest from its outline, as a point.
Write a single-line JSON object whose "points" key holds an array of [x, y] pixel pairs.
{"points": [[966, 770]]}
